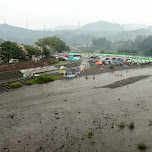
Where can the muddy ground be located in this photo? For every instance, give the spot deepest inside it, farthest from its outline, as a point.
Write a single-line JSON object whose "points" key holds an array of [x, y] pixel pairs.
{"points": [[58, 116]]}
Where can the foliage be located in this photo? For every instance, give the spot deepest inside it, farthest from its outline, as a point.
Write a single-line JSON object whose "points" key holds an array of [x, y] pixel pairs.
{"points": [[46, 52], [148, 52], [142, 145], [146, 43], [30, 82], [32, 51], [101, 43], [55, 43], [43, 79], [11, 50], [16, 85]]}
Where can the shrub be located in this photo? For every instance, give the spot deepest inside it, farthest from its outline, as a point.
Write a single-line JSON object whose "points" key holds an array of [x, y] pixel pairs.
{"points": [[44, 79], [47, 78], [16, 85]]}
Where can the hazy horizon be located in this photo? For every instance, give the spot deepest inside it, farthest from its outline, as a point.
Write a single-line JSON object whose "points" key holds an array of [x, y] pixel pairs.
{"points": [[37, 14]]}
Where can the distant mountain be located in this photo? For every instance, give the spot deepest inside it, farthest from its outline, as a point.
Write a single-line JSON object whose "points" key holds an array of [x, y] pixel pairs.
{"points": [[63, 27], [20, 35], [82, 35], [129, 27], [129, 35], [102, 26]]}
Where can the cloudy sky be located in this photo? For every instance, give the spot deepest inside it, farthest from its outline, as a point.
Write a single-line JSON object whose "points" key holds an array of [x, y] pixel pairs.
{"points": [[34, 14]]}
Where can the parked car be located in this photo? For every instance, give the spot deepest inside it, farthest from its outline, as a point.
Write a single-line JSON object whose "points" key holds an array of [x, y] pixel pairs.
{"points": [[13, 61], [62, 58]]}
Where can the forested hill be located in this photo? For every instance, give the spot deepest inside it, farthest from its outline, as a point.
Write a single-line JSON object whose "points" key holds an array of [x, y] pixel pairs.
{"points": [[102, 26], [82, 35]]}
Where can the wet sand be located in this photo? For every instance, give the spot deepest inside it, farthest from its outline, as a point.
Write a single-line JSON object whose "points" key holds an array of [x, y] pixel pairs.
{"points": [[125, 82], [56, 117]]}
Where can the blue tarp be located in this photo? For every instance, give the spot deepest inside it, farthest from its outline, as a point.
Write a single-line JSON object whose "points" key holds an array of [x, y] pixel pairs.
{"points": [[69, 76]]}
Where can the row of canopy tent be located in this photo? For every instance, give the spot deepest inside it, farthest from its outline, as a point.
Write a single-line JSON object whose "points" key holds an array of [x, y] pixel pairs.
{"points": [[118, 55]]}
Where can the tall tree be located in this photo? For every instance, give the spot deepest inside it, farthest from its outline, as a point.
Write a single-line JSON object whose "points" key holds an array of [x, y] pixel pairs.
{"points": [[55, 44]]}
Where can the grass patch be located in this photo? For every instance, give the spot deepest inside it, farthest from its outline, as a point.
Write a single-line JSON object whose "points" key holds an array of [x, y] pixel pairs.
{"points": [[121, 124], [89, 134], [16, 85], [30, 82], [5, 84], [142, 145], [131, 125]]}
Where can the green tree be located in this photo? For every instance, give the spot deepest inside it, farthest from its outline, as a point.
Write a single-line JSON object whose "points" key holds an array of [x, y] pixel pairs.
{"points": [[146, 44], [54, 43], [46, 52], [148, 52], [32, 51], [11, 50]]}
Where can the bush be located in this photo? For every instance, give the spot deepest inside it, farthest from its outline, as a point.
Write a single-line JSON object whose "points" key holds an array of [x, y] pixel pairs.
{"points": [[44, 79], [16, 85], [47, 78]]}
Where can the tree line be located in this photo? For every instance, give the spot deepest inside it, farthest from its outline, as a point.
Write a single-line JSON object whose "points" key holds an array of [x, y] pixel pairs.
{"points": [[43, 47], [142, 45]]}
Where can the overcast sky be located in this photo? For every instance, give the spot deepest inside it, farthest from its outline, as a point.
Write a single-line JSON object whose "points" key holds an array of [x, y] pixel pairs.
{"points": [[37, 13]]}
